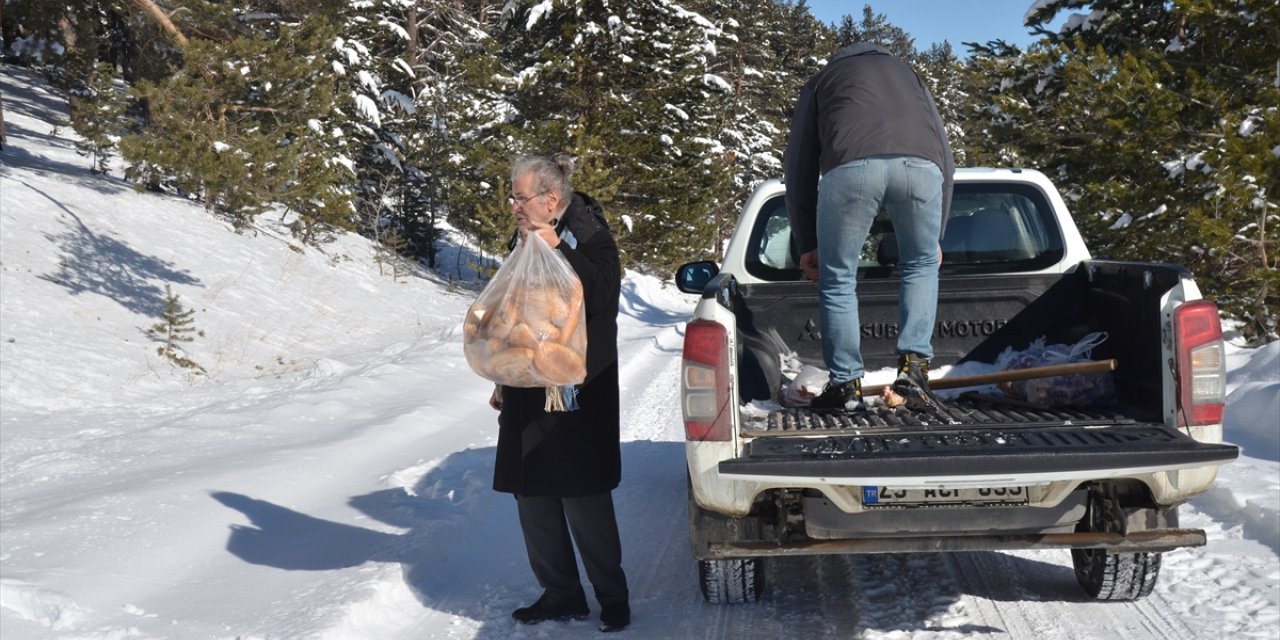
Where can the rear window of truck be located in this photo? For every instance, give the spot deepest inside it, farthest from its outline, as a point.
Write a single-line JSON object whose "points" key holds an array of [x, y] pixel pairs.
{"points": [[993, 228]]}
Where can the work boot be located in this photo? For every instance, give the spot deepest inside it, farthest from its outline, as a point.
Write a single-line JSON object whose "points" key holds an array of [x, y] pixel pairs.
{"points": [[551, 607], [913, 383], [846, 396]]}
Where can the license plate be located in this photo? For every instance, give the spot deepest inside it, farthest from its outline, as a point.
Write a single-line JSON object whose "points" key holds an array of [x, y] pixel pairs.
{"points": [[892, 497]]}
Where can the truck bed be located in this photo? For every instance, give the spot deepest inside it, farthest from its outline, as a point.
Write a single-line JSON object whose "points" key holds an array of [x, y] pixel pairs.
{"points": [[972, 434], [978, 317]]}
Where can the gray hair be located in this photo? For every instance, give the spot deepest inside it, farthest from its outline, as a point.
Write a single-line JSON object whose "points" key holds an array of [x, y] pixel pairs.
{"points": [[549, 174]]}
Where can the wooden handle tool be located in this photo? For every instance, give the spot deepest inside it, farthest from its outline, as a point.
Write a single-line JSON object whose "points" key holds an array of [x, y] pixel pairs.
{"points": [[1047, 371]]}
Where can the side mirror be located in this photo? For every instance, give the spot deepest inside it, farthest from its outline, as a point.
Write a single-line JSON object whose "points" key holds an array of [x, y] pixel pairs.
{"points": [[694, 276]]}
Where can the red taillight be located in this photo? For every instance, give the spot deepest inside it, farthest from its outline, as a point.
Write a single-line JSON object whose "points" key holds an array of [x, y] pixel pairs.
{"points": [[1201, 366], [704, 381]]}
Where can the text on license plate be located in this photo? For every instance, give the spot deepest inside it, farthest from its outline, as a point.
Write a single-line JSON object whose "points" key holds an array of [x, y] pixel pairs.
{"points": [[889, 496]]}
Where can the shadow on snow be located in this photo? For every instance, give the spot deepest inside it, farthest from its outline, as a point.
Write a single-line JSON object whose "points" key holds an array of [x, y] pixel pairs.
{"points": [[106, 266], [462, 554], [634, 304]]}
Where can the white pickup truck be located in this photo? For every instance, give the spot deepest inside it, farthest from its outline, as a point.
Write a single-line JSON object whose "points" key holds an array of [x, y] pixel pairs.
{"points": [[1103, 481]]}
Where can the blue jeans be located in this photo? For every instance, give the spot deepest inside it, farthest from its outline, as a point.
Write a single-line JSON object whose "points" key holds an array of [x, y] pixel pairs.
{"points": [[909, 189]]}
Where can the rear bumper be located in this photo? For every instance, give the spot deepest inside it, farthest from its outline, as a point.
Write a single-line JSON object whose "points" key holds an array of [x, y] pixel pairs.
{"points": [[1158, 540]]}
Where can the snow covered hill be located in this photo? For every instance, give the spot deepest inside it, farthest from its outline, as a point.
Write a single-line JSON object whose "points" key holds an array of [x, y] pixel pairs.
{"points": [[328, 476]]}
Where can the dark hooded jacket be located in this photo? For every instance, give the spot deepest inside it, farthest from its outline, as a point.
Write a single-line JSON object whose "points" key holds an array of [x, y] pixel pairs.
{"points": [[865, 102], [572, 453]]}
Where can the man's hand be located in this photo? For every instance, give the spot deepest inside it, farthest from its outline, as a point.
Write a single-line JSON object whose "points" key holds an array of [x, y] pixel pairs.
{"points": [[495, 399], [809, 265], [547, 231]]}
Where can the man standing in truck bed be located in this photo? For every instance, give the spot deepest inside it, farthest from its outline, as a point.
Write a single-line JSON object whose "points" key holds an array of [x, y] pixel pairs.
{"points": [[867, 136]]}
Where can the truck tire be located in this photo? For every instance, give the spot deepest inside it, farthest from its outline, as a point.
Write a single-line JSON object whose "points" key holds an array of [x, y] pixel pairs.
{"points": [[1116, 576], [731, 581]]}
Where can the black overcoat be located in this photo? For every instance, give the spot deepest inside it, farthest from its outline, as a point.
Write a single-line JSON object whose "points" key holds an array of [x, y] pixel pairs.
{"points": [[572, 453]]}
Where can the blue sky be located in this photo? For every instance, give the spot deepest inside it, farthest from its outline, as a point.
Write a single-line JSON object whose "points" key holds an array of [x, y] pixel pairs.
{"points": [[932, 21]]}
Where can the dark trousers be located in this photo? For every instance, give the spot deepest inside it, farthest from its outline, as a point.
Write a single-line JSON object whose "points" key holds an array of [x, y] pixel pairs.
{"points": [[547, 523]]}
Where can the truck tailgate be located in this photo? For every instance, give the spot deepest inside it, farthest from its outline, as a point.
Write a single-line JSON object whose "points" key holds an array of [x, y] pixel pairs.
{"points": [[975, 440]]}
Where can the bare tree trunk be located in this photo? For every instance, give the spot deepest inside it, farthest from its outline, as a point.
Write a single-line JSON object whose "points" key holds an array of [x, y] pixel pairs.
{"points": [[68, 32], [411, 27], [163, 19]]}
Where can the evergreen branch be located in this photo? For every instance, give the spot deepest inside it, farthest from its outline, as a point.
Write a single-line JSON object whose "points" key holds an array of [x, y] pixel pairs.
{"points": [[235, 108]]}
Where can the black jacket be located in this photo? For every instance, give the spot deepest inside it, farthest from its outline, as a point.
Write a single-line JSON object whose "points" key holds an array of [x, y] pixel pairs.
{"points": [[865, 102], [572, 453]]}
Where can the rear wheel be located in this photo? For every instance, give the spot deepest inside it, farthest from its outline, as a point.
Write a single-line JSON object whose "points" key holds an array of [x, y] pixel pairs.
{"points": [[732, 580], [726, 580], [1113, 576], [1120, 576]]}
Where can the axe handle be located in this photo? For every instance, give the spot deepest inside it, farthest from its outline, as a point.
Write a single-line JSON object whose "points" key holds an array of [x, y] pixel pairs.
{"points": [[1048, 371]]}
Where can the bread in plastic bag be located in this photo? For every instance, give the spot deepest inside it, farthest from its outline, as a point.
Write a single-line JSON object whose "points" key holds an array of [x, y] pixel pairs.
{"points": [[1058, 391], [528, 326]]}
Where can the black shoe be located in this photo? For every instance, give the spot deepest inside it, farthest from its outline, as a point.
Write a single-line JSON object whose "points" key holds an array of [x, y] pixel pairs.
{"points": [[913, 383], [614, 617], [846, 396], [550, 607]]}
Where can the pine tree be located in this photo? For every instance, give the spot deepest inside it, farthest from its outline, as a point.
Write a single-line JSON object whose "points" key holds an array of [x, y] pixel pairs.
{"points": [[68, 38], [96, 116], [249, 122], [764, 52], [457, 155], [61, 37], [947, 79], [803, 50], [176, 327], [462, 145], [875, 28], [1159, 122], [626, 87], [375, 87], [994, 114]]}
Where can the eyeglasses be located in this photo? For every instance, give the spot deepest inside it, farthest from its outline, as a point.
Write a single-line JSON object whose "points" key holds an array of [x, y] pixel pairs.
{"points": [[521, 201]]}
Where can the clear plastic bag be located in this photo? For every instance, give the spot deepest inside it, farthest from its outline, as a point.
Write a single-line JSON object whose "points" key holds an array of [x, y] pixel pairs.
{"points": [[528, 327], [1058, 391]]}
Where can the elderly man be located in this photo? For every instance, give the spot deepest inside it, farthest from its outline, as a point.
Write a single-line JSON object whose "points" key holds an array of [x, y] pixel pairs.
{"points": [[563, 465]]}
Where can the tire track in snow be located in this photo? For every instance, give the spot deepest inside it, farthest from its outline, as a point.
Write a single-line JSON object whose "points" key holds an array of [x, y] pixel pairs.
{"points": [[994, 586], [1033, 594], [903, 594], [1159, 618], [837, 591], [650, 501], [649, 383]]}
